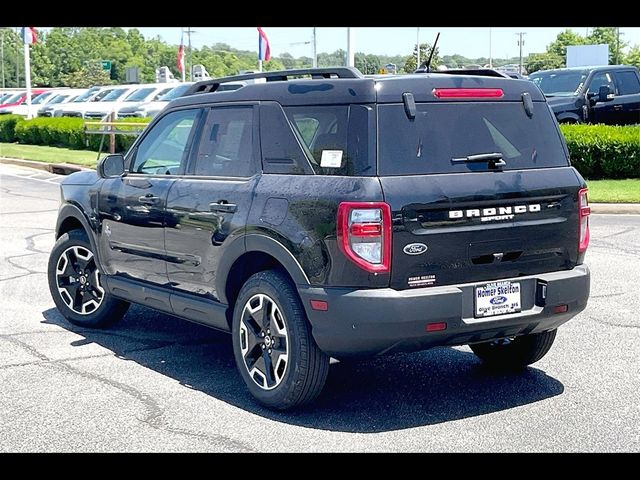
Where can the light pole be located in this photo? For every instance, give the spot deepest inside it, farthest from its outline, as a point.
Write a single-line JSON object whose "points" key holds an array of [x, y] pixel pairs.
{"points": [[189, 32], [2, 54], [418, 46], [350, 49], [314, 63], [521, 44], [490, 56]]}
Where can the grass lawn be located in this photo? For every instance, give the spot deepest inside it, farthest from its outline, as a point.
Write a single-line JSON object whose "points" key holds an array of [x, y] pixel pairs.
{"points": [[614, 191], [44, 154]]}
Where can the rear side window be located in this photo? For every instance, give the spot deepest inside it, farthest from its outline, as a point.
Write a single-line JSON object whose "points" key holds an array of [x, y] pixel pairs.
{"points": [[338, 139], [441, 132], [628, 83]]}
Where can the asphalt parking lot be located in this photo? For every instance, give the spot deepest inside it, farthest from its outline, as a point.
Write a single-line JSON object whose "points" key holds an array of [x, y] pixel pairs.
{"points": [[157, 383]]}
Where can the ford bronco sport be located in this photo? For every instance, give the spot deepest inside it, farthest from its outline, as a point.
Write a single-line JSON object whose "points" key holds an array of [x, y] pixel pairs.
{"points": [[318, 213]]}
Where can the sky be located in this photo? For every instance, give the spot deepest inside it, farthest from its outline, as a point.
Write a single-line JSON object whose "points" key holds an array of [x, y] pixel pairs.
{"points": [[471, 42]]}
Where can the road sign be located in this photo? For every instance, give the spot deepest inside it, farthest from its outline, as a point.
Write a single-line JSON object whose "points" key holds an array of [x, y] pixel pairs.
{"points": [[106, 64]]}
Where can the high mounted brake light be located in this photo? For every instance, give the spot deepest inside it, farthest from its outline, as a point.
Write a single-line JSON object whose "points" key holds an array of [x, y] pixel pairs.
{"points": [[584, 212], [364, 234], [468, 92]]}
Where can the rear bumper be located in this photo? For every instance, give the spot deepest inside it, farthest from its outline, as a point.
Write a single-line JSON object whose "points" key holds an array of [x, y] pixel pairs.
{"points": [[378, 321]]}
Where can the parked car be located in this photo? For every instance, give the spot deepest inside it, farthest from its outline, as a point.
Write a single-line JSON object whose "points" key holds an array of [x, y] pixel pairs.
{"points": [[108, 97], [336, 216], [93, 94], [152, 108], [607, 94], [20, 97], [38, 101], [136, 95], [61, 97]]}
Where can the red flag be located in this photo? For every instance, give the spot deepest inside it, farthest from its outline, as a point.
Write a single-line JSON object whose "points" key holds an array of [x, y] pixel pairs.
{"points": [[180, 59], [264, 50], [29, 35]]}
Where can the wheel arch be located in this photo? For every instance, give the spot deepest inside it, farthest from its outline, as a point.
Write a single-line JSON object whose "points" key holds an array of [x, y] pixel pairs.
{"points": [[258, 253], [70, 218]]}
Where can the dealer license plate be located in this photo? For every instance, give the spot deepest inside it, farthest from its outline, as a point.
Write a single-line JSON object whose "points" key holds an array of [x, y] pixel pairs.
{"points": [[497, 298]]}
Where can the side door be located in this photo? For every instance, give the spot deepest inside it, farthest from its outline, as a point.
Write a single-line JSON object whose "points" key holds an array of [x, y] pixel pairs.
{"points": [[207, 208], [132, 208], [629, 96], [604, 112]]}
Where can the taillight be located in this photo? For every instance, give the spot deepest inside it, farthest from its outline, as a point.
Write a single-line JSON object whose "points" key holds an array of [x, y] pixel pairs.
{"points": [[364, 234], [468, 92], [585, 211]]}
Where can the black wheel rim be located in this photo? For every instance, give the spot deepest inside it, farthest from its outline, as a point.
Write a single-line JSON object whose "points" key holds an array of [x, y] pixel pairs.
{"points": [[78, 280], [264, 341]]}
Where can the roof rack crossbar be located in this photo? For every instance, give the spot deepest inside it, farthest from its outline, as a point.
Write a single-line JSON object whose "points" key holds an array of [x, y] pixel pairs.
{"points": [[207, 86]]}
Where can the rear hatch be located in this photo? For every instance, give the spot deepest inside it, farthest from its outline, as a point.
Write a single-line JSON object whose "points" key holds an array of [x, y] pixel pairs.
{"points": [[480, 189]]}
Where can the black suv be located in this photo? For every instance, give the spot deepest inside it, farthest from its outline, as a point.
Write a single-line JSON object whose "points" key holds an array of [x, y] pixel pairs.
{"points": [[336, 216], [608, 94]]}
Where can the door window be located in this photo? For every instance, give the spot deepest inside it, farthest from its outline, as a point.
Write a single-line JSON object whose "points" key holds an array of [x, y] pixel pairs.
{"points": [[628, 83], [600, 79], [226, 144], [164, 149]]}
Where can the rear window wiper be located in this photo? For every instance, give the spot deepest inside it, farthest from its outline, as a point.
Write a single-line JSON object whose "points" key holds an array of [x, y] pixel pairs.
{"points": [[494, 160]]}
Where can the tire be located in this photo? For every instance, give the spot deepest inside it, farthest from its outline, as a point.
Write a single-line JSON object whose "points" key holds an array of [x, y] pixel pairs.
{"points": [[515, 353], [274, 350], [74, 283]]}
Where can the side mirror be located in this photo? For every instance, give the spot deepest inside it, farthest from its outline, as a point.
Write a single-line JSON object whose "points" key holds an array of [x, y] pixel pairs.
{"points": [[603, 94], [111, 166]]}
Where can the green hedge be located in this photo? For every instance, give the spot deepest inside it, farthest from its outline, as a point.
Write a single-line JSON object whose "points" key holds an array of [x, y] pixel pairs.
{"points": [[60, 132], [8, 127], [604, 151]]}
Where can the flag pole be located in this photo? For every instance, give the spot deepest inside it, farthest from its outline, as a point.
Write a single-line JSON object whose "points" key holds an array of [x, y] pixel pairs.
{"points": [[259, 65], [27, 78]]}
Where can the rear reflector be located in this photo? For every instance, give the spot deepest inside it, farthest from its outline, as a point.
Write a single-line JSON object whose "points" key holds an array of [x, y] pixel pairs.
{"points": [[584, 212], [560, 308], [320, 305], [468, 92], [436, 327]]}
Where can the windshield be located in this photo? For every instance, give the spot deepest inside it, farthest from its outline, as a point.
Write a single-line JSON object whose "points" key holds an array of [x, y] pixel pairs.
{"points": [[86, 95], [161, 93], [443, 132], [114, 95], [59, 99], [41, 98], [14, 98], [559, 84], [140, 95], [174, 93]]}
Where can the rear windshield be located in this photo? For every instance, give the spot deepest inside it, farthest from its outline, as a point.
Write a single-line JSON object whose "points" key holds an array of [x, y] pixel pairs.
{"points": [[441, 132]]}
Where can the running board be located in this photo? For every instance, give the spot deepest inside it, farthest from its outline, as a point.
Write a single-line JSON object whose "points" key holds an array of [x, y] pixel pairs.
{"points": [[190, 307]]}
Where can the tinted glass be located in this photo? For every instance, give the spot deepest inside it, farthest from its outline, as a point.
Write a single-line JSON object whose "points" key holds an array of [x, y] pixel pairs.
{"points": [[114, 95], [628, 83], [226, 144], [139, 95], [600, 79], [163, 149], [86, 95], [174, 92], [559, 84], [336, 137], [443, 131]]}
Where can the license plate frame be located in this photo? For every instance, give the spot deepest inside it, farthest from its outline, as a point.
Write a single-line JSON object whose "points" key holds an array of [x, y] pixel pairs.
{"points": [[497, 298]]}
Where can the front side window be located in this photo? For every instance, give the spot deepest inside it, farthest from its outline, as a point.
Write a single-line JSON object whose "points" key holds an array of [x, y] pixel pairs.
{"points": [[602, 79], [163, 150], [226, 144]]}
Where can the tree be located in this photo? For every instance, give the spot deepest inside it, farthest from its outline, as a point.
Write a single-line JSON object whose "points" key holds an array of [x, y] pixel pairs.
{"points": [[608, 35], [410, 64], [564, 39], [543, 61], [633, 57], [367, 64], [91, 74]]}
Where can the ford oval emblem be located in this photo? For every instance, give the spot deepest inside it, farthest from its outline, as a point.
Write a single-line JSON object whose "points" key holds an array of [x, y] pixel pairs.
{"points": [[499, 300], [415, 249]]}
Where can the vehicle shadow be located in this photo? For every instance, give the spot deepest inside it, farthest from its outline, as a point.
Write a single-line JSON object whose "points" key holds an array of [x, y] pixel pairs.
{"points": [[375, 395]]}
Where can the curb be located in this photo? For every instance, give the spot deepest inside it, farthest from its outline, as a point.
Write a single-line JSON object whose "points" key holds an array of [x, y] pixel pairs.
{"points": [[66, 169], [57, 168]]}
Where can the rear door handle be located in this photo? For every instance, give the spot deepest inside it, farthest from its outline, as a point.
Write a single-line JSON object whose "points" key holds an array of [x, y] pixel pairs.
{"points": [[148, 199], [617, 107], [222, 206]]}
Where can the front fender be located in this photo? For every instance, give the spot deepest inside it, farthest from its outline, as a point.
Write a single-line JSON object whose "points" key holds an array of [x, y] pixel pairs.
{"points": [[68, 211]]}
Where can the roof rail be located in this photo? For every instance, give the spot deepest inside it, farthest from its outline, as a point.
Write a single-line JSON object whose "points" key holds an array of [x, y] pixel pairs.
{"points": [[483, 72], [208, 86]]}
